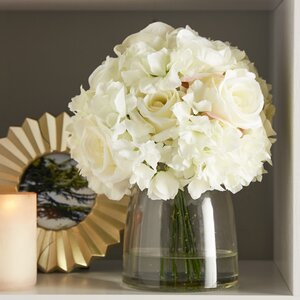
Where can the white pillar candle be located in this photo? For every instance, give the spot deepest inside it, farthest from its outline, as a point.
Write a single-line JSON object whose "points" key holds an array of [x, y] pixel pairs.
{"points": [[18, 230]]}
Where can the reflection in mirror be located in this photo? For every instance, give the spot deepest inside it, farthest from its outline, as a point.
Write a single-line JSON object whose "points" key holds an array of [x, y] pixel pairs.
{"points": [[64, 199]]}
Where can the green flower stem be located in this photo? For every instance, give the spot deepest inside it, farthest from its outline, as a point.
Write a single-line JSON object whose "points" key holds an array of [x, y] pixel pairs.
{"points": [[183, 242], [191, 244]]}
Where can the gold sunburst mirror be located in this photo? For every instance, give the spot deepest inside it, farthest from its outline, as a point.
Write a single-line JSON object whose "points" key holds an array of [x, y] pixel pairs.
{"points": [[74, 224]]}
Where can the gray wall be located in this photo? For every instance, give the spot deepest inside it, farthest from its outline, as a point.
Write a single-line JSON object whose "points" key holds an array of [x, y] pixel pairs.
{"points": [[46, 56]]}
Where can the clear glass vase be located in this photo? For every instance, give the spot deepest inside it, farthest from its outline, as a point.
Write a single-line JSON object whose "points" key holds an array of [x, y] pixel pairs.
{"points": [[180, 244]]}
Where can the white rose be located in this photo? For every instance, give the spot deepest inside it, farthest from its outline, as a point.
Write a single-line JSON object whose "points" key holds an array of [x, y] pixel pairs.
{"points": [[138, 128], [150, 153], [164, 185], [109, 103], [151, 85], [145, 164], [195, 54], [158, 62], [172, 98], [90, 145], [142, 175], [147, 70], [80, 103], [133, 65], [153, 35], [237, 99], [107, 71], [114, 191], [157, 109], [197, 187], [182, 111], [194, 97]]}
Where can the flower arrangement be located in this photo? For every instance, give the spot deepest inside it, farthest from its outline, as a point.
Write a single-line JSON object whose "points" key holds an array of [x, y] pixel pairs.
{"points": [[172, 110]]}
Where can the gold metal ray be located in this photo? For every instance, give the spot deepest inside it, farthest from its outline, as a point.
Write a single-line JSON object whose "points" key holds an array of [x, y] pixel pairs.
{"points": [[6, 183], [59, 250], [32, 130], [8, 167], [12, 152], [77, 254], [108, 219], [82, 249], [18, 137], [7, 188], [48, 129], [114, 211], [65, 259], [43, 255], [107, 228], [62, 121], [8, 179], [94, 241], [40, 239], [52, 255], [106, 236]]}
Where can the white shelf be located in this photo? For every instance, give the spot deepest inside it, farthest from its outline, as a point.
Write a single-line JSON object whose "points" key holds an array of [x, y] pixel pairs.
{"points": [[155, 5], [257, 279], [58, 35]]}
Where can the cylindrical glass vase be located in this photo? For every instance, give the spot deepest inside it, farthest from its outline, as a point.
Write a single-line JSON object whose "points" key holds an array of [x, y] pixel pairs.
{"points": [[180, 244]]}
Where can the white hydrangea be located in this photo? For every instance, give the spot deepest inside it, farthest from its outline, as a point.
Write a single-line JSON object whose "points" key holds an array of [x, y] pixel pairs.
{"points": [[172, 110]]}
